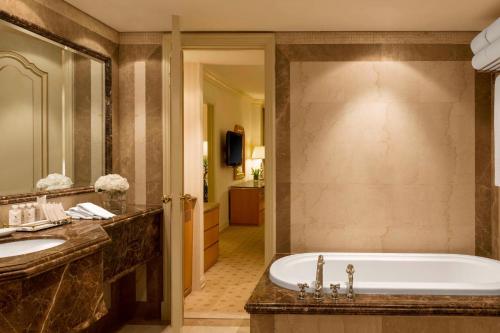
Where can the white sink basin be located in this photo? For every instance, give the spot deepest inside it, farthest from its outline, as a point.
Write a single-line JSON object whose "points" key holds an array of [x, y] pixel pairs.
{"points": [[16, 248]]}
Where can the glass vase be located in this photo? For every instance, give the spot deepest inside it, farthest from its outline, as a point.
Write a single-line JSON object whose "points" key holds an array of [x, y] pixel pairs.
{"points": [[114, 201]]}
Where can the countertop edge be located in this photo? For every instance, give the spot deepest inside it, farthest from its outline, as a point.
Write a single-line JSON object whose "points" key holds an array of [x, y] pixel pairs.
{"points": [[29, 268], [369, 310], [130, 216]]}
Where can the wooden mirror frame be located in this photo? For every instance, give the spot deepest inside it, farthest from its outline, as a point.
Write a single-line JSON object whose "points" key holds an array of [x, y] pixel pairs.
{"points": [[239, 171], [108, 147]]}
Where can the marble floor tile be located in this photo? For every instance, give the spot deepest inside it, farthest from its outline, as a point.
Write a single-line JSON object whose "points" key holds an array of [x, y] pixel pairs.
{"points": [[232, 279]]}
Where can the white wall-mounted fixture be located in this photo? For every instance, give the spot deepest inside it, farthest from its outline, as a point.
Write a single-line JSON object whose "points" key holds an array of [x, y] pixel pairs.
{"points": [[486, 48]]}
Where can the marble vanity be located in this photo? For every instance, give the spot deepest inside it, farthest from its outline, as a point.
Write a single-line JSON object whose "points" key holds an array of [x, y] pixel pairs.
{"points": [[63, 289]]}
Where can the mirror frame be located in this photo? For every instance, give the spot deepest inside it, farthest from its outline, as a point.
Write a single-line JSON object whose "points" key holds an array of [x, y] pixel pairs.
{"points": [[108, 144]]}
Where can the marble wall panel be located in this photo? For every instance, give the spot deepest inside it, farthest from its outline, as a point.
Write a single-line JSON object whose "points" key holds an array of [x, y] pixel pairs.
{"points": [[152, 156], [394, 129], [382, 156]]}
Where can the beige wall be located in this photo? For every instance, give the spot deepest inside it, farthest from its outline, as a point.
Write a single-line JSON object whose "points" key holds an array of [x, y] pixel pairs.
{"points": [[382, 156], [193, 161], [230, 108]]}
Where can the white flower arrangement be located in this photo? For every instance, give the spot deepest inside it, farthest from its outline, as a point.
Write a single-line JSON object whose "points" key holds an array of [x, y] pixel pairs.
{"points": [[54, 181], [111, 183]]}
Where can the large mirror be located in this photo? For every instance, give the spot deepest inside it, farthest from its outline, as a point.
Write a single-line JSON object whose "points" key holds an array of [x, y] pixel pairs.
{"points": [[52, 112]]}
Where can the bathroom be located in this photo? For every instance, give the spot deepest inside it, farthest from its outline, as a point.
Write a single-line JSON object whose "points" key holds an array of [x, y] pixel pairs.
{"points": [[379, 136]]}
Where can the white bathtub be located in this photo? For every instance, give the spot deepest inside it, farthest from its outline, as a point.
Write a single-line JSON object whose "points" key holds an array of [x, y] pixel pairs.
{"points": [[393, 273]]}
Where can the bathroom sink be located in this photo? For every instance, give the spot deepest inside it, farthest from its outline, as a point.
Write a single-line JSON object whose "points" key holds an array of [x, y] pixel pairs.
{"points": [[16, 248]]}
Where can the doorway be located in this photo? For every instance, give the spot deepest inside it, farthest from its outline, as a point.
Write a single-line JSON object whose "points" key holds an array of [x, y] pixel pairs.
{"points": [[224, 155], [174, 180]]}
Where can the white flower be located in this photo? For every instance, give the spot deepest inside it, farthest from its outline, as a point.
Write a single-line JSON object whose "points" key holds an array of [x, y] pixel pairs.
{"points": [[112, 182], [54, 181]]}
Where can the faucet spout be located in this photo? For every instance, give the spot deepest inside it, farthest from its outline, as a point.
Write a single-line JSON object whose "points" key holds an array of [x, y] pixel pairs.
{"points": [[318, 288]]}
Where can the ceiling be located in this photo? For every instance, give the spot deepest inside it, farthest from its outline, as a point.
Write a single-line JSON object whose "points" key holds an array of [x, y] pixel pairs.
{"points": [[294, 15], [242, 70], [248, 79], [225, 57]]}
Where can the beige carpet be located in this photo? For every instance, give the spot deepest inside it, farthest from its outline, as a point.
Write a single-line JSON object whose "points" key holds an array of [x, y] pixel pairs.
{"points": [[232, 279]]}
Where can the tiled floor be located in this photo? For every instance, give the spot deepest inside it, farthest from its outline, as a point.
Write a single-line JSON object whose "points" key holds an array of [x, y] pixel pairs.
{"points": [[232, 279]]}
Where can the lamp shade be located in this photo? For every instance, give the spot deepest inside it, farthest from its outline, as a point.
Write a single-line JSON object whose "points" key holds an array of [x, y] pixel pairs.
{"points": [[259, 153], [205, 148]]}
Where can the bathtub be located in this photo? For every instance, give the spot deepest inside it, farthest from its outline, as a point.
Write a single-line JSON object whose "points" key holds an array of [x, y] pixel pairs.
{"points": [[393, 273]]}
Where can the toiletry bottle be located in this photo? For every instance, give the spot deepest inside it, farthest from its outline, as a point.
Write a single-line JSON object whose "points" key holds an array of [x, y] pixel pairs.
{"points": [[29, 213], [14, 215], [37, 211], [22, 208]]}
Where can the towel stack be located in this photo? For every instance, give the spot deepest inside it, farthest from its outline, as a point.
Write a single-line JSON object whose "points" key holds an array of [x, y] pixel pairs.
{"points": [[486, 48], [89, 211]]}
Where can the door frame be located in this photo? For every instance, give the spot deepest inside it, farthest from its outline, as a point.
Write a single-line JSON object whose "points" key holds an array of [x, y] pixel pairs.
{"points": [[172, 306], [267, 43]]}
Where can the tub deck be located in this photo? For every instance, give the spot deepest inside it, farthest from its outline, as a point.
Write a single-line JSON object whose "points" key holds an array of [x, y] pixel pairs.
{"points": [[268, 298]]}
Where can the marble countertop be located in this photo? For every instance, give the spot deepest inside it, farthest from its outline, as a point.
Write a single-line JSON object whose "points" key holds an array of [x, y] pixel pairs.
{"points": [[83, 237], [267, 298]]}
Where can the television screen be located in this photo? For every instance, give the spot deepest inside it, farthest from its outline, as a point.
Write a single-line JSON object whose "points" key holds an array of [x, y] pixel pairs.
{"points": [[234, 148]]}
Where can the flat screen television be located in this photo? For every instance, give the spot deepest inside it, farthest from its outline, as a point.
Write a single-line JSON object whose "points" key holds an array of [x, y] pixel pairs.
{"points": [[234, 148]]}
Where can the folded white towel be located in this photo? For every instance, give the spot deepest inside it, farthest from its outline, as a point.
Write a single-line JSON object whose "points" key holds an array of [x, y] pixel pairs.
{"points": [[493, 31], [479, 42], [486, 37], [95, 210], [489, 58]]}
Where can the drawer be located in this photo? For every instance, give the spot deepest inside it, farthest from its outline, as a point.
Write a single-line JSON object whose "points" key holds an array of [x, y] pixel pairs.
{"points": [[211, 255], [211, 218], [211, 236]]}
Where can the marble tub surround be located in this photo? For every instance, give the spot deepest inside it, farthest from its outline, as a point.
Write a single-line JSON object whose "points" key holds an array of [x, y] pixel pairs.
{"points": [[268, 298], [390, 155], [372, 324]]}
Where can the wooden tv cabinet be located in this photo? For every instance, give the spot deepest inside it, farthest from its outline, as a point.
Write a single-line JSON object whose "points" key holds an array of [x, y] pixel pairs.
{"points": [[246, 203]]}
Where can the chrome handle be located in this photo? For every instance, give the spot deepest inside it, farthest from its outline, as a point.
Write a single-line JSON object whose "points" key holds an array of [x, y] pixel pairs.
{"points": [[166, 198], [187, 197], [335, 290], [302, 290], [318, 291]]}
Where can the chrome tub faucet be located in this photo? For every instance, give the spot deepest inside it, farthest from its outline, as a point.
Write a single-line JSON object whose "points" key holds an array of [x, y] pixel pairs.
{"points": [[350, 285], [318, 287]]}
